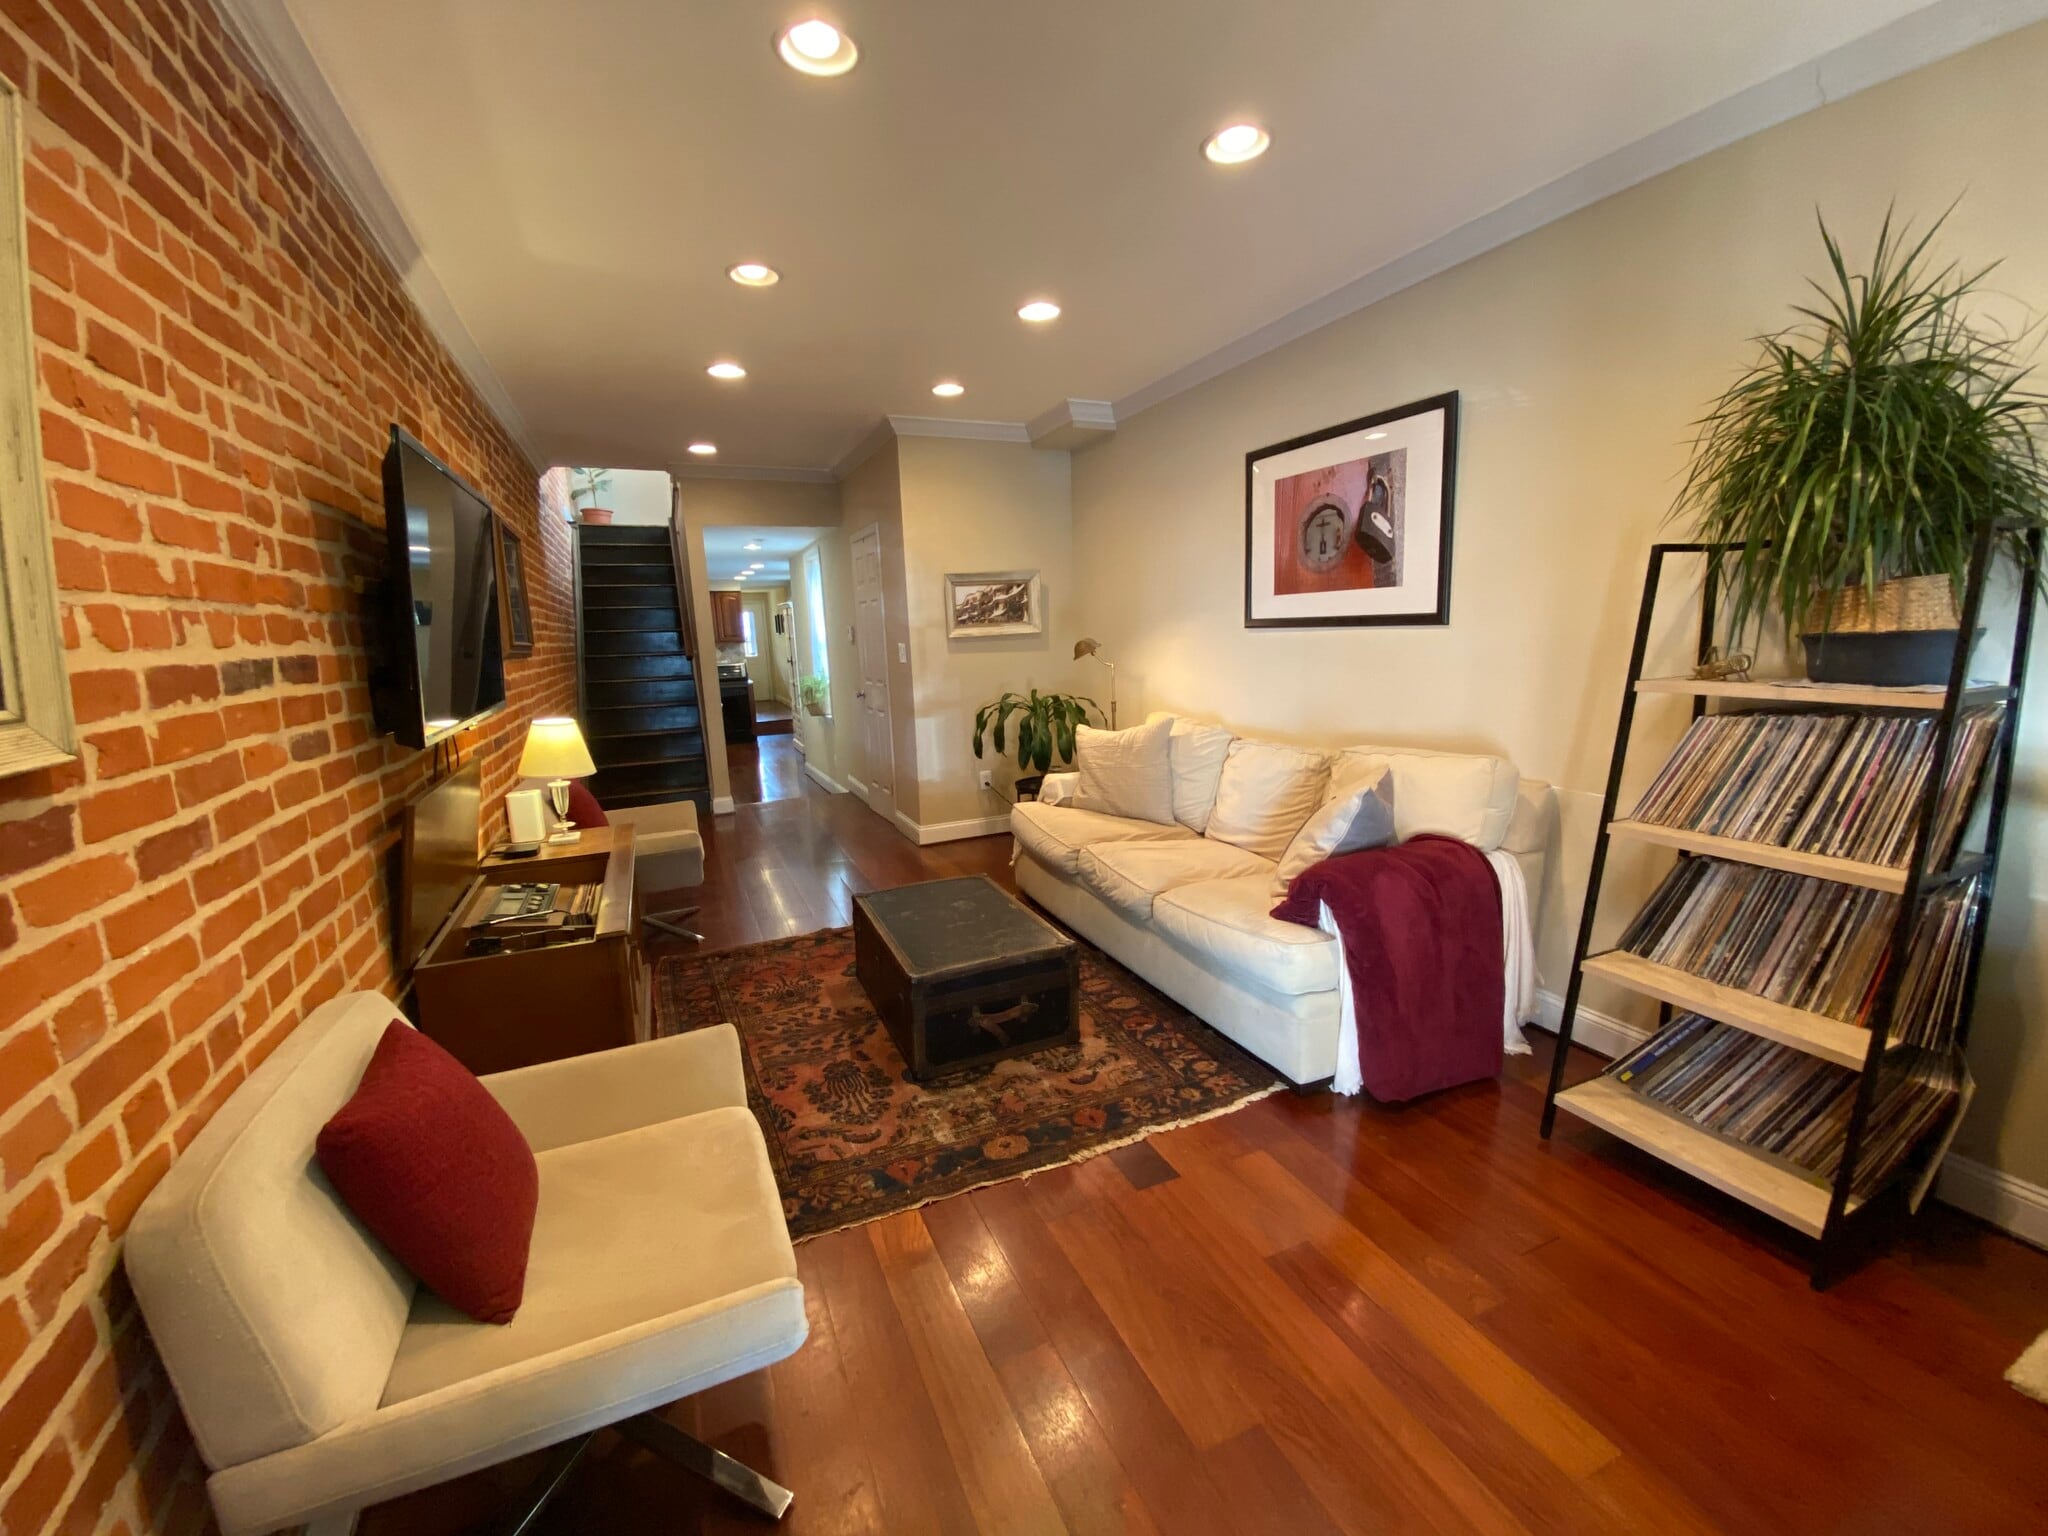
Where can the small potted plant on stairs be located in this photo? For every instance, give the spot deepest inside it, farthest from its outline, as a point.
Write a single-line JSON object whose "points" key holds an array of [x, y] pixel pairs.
{"points": [[810, 692], [1854, 464], [1044, 726]]}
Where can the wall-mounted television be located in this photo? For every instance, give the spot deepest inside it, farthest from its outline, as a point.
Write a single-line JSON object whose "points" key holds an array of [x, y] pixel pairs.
{"points": [[445, 664]]}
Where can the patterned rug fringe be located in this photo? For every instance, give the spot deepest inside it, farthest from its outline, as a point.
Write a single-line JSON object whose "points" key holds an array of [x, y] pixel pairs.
{"points": [[1031, 1173]]}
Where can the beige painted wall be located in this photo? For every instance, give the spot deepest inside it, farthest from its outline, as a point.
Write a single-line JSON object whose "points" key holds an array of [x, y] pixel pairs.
{"points": [[871, 496], [738, 503], [636, 497], [1582, 351], [974, 506]]}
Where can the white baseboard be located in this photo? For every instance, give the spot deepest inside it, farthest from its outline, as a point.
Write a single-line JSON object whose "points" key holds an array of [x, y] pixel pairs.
{"points": [[722, 805], [2008, 1203], [860, 789], [825, 782], [1596, 1031], [952, 831]]}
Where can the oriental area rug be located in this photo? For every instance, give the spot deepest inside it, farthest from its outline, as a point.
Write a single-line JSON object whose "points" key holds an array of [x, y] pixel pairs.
{"points": [[853, 1139]]}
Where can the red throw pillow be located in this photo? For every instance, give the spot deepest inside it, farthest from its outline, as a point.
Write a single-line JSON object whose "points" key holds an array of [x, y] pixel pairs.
{"points": [[584, 810], [433, 1165]]}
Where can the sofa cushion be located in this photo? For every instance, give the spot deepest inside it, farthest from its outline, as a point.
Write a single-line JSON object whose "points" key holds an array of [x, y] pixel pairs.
{"points": [[433, 1165], [1353, 819], [1129, 875], [1464, 795], [1228, 925], [1055, 834], [1126, 773], [1195, 751], [1264, 795]]}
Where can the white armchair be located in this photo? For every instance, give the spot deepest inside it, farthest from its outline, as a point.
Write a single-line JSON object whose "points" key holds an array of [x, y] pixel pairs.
{"points": [[318, 1377]]}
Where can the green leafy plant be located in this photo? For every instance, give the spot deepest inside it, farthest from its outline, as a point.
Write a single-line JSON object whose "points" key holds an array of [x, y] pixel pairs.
{"points": [[811, 693], [1044, 726], [1871, 441], [595, 483]]}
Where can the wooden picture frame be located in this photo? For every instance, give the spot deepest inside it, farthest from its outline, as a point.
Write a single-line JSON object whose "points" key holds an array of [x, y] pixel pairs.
{"points": [[1352, 525], [515, 608], [985, 604], [36, 726]]}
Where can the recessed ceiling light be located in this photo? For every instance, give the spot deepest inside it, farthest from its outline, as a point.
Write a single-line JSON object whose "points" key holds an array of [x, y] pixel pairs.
{"points": [[758, 565], [754, 274], [726, 370], [1038, 311], [753, 544], [703, 450], [1236, 144], [947, 389], [816, 47]]}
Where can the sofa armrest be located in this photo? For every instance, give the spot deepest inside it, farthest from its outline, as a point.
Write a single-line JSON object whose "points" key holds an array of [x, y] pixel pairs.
{"points": [[1059, 789], [583, 1098]]}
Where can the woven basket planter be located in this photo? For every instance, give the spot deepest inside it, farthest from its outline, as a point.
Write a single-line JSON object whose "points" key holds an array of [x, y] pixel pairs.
{"points": [[1897, 633]]}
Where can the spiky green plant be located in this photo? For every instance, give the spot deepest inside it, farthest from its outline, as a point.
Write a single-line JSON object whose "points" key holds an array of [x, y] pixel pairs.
{"points": [[1870, 441], [1045, 725]]}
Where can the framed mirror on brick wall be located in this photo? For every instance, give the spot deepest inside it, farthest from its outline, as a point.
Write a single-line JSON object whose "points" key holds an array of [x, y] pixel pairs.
{"points": [[35, 695]]}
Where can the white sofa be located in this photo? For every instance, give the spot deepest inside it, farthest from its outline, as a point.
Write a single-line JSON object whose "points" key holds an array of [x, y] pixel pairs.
{"points": [[1192, 915]]}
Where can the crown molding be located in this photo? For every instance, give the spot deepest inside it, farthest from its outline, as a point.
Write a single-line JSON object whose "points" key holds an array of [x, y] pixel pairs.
{"points": [[751, 472], [1073, 424], [1925, 37], [266, 29], [948, 426]]}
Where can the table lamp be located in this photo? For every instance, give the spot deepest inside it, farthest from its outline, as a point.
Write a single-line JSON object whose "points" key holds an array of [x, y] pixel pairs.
{"points": [[555, 752]]}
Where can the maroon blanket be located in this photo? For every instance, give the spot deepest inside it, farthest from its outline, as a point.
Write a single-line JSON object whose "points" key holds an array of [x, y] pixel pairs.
{"points": [[1421, 927]]}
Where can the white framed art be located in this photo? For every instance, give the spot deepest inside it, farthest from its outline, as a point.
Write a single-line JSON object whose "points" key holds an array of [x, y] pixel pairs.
{"points": [[982, 604]]}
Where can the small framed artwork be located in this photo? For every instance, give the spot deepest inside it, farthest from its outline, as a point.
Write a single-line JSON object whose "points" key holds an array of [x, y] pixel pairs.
{"points": [[980, 604], [515, 611], [1352, 524]]}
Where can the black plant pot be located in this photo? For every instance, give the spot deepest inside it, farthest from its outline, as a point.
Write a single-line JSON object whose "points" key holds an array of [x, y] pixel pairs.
{"points": [[1028, 787], [1901, 658]]}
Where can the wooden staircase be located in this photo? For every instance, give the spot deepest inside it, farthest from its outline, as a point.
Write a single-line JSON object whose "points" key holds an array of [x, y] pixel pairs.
{"points": [[636, 670]]}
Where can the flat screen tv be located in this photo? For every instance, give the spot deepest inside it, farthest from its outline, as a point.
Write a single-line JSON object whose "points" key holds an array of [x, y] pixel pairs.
{"points": [[446, 668]]}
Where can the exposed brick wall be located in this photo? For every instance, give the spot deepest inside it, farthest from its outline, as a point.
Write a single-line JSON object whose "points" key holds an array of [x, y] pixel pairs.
{"points": [[220, 352]]}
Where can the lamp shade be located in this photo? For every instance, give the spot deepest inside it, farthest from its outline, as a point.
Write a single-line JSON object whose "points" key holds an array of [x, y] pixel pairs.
{"points": [[555, 750]]}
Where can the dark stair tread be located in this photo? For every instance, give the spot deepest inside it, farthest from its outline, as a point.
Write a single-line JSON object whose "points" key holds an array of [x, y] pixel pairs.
{"points": [[623, 533], [619, 800]]}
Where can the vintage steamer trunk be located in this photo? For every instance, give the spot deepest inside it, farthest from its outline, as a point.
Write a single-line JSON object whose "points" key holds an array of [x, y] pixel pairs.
{"points": [[962, 973]]}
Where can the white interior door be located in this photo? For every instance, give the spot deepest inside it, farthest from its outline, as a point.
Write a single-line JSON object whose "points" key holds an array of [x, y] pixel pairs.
{"points": [[872, 644], [784, 642]]}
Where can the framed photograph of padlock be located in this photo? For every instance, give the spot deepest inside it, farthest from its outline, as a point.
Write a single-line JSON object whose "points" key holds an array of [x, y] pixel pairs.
{"points": [[1352, 524]]}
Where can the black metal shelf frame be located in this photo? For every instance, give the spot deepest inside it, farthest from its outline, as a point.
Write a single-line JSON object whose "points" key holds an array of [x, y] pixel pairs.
{"points": [[1841, 1230]]}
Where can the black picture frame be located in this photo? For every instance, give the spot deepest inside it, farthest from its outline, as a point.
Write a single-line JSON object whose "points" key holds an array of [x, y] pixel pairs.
{"points": [[1439, 613], [516, 610]]}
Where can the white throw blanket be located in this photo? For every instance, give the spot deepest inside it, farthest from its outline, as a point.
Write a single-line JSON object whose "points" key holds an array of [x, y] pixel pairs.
{"points": [[1518, 959]]}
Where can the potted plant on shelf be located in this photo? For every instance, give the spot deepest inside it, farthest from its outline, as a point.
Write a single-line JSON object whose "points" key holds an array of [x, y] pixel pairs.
{"points": [[1044, 724], [595, 482], [1856, 461], [810, 692]]}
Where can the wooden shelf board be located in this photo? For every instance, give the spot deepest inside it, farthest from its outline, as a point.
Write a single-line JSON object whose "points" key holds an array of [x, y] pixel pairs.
{"points": [[1755, 1178], [1793, 691], [1814, 1033], [1876, 877]]}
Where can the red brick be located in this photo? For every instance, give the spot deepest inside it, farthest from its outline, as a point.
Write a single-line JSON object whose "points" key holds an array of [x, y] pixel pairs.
{"points": [[34, 1500], [200, 782], [26, 1061], [35, 1136], [187, 736], [183, 530], [98, 695], [200, 1003], [55, 321], [227, 874], [77, 886], [230, 923], [134, 1189], [142, 922], [119, 752], [141, 468], [36, 1400], [45, 199], [143, 575], [107, 1076], [144, 1114], [252, 717], [114, 811], [28, 841], [87, 395], [80, 567], [242, 813], [92, 511], [28, 1224], [92, 1165], [61, 1267], [32, 979], [162, 852], [106, 348], [109, 624], [181, 684], [63, 439], [69, 111]]}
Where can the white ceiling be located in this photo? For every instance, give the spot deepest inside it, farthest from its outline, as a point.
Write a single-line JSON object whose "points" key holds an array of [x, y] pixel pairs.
{"points": [[577, 177], [726, 553]]}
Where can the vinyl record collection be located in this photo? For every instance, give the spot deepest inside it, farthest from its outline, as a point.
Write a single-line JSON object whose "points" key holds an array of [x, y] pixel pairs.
{"points": [[1809, 943], [1842, 785], [1787, 1103]]}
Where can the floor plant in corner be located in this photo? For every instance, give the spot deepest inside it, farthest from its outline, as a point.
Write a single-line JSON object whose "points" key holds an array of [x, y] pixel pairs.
{"points": [[1853, 465], [1043, 726]]}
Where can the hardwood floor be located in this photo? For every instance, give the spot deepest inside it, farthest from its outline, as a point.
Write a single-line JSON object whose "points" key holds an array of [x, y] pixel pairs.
{"points": [[767, 768], [1318, 1315]]}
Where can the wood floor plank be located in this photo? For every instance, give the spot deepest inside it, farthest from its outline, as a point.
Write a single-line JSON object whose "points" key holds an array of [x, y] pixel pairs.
{"points": [[1095, 1495], [1004, 1486]]}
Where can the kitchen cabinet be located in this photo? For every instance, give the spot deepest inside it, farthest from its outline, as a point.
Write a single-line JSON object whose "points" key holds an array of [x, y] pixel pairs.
{"points": [[726, 626]]}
